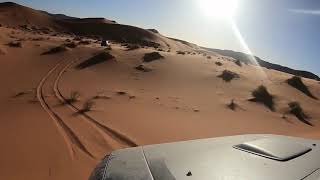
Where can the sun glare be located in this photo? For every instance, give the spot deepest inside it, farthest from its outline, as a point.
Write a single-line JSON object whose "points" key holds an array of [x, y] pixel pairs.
{"points": [[219, 8]]}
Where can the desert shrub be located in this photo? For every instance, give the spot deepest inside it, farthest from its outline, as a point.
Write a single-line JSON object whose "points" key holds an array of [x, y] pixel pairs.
{"points": [[296, 109], [71, 45], [238, 62], [37, 39], [228, 75], [55, 50], [77, 38], [16, 44], [297, 83], [84, 42], [208, 57], [149, 57], [121, 92], [74, 97], [87, 106], [262, 95], [131, 47], [96, 59], [143, 68], [181, 52], [218, 63]]}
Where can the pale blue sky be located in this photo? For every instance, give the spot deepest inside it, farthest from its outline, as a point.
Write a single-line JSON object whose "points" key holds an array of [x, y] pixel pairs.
{"points": [[280, 31]]}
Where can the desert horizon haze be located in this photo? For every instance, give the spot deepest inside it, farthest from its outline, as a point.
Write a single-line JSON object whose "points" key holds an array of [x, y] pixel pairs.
{"points": [[81, 79]]}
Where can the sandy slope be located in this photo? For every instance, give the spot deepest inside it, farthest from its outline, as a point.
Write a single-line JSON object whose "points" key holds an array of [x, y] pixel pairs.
{"points": [[167, 98], [32, 146], [181, 98]]}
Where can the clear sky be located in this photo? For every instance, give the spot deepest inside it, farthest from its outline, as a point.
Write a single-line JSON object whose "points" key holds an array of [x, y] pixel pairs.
{"points": [[286, 32]]}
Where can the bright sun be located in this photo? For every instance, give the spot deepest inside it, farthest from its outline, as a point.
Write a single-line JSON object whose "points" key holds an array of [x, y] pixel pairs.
{"points": [[219, 8]]}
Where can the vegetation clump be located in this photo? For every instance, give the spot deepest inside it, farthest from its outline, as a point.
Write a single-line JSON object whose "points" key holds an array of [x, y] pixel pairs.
{"points": [[143, 68], [181, 52], [296, 109], [55, 50], [77, 38], [228, 75], [261, 95], [15, 44], [149, 57], [131, 47], [84, 42], [297, 83], [96, 59], [71, 45], [218, 63], [121, 92], [238, 62], [74, 97], [87, 106]]}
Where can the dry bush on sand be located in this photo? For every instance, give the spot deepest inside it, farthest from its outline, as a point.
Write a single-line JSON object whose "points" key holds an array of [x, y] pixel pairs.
{"points": [[261, 95], [143, 68], [74, 97], [77, 38], [296, 109], [238, 62], [297, 83], [70, 45], [218, 63], [228, 75], [149, 57], [97, 59], [55, 50], [181, 52], [15, 44], [84, 42], [131, 47], [87, 106], [121, 92]]}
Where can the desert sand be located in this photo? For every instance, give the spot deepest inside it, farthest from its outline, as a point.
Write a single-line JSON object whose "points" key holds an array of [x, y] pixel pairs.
{"points": [[59, 120]]}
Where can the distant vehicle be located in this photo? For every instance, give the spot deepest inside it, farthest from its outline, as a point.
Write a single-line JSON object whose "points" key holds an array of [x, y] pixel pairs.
{"points": [[105, 43], [244, 157]]}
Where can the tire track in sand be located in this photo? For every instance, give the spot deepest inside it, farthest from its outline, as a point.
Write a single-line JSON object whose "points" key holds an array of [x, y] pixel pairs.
{"points": [[67, 133], [117, 136]]}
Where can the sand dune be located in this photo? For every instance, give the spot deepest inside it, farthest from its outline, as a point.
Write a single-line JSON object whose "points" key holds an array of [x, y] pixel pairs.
{"points": [[17, 16], [58, 119]]}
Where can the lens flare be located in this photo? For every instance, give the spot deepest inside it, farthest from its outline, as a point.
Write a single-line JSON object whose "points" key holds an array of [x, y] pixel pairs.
{"points": [[219, 8], [247, 49]]}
